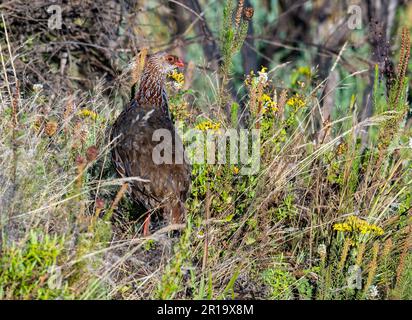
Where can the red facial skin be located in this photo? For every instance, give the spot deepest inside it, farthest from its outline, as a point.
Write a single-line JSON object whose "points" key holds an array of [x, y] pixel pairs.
{"points": [[179, 63], [174, 60]]}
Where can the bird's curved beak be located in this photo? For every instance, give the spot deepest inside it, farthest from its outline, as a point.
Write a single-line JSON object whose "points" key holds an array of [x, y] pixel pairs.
{"points": [[179, 63]]}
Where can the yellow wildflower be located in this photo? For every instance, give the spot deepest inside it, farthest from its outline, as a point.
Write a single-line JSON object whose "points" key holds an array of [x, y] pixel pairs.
{"points": [[263, 75], [179, 110], [253, 80], [268, 103], [296, 102], [86, 113], [208, 125], [178, 77], [344, 227], [357, 225], [249, 79], [377, 230], [235, 170], [305, 71]]}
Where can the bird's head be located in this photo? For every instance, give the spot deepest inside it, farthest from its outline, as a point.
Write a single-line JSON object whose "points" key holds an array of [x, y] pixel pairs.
{"points": [[156, 68], [164, 62]]}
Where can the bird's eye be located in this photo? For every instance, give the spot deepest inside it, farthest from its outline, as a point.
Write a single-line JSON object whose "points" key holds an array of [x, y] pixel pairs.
{"points": [[170, 58]]}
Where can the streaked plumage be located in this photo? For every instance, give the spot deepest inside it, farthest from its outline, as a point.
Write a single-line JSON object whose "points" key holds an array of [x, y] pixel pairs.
{"points": [[132, 152]]}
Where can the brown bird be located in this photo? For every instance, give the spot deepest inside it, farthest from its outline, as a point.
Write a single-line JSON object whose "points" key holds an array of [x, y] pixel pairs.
{"points": [[167, 184]]}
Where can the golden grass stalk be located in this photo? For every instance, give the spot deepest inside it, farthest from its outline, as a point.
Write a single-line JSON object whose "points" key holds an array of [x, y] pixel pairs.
{"points": [[402, 258], [119, 196], [372, 266], [344, 254], [282, 101], [386, 251], [361, 251], [68, 111], [387, 247], [99, 206]]}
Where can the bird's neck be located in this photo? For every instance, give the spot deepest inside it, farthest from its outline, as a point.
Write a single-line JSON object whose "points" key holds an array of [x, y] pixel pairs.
{"points": [[151, 88]]}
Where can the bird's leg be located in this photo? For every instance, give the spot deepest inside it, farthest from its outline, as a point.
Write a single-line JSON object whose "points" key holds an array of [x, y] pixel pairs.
{"points": [[146, 225]]}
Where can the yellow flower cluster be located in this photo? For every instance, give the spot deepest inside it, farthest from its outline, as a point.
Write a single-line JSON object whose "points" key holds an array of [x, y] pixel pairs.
{"points": [[344, 227], [268, 103], [263, 75], [208, 125], [178, 77], [356, 225], [86, 113], [305, 71], [180, 110], [297, 102], [261, 78]]}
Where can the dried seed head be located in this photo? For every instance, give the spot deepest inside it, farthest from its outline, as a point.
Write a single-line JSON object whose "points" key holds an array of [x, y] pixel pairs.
{"points": [[248, 13], [51, 128], [37, 87], [322, 250], [99, 203], [387, 248], [80, 161], [91, 153], [239, 12], [83, 135]]}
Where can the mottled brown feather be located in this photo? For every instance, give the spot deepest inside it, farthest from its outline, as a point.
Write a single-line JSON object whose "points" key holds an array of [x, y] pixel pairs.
{"points": [[133, 146]]}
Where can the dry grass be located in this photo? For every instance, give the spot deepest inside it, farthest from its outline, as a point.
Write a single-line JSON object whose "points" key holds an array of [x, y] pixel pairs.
{"points": [[278, 234]]}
